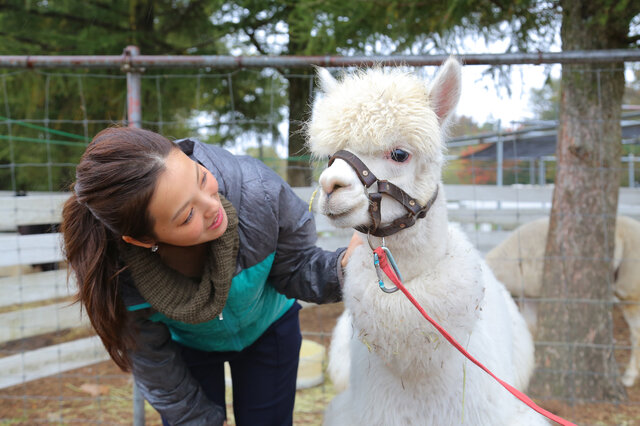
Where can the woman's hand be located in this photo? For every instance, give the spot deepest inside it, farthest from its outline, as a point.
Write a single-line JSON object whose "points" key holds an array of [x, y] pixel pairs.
{"points": [[355, 242]]}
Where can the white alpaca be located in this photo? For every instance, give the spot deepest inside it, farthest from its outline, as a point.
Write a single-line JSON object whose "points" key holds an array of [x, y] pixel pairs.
{"points": [[401, 371], [518, 262]]}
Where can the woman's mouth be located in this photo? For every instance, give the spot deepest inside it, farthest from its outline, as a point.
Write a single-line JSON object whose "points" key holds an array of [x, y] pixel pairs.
{"points": [[218, 220]]}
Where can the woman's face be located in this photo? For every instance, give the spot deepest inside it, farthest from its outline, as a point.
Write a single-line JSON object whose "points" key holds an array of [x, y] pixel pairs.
{"points": [[185, 204]]}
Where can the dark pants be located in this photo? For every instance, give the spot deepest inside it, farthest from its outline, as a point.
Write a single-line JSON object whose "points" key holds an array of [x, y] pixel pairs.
{"points": [[263, 375]]}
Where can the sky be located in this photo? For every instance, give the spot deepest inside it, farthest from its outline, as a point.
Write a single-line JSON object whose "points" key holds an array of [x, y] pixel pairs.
{"points": [[487, 102], [484, 101]]}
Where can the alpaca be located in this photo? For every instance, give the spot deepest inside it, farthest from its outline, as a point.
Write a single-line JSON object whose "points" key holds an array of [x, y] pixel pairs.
{"points": [[400, 370], [518, 262]]}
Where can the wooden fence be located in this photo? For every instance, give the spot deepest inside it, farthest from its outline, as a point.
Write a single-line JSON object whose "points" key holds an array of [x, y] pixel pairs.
{"points": [[34, 303]]}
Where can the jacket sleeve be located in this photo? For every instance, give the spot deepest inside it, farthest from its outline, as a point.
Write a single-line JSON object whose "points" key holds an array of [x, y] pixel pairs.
{"points": [[301, 270], [164, 379]]}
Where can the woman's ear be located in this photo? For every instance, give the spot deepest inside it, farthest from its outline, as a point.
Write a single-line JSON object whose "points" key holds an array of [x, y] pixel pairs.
{"points": [[130, 240]]}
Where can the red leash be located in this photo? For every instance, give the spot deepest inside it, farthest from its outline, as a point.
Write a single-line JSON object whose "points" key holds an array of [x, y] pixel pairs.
{"points": [[389, 271]]}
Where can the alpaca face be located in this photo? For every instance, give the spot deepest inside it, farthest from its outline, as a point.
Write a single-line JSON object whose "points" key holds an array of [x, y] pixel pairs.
{"points": [[394, 124], [344, 199]]}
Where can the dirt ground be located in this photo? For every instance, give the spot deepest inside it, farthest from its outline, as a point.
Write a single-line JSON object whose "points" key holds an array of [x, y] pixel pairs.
{"points": [[102, 394]]}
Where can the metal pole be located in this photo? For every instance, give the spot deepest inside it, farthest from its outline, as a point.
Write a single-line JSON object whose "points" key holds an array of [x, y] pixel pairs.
{"points": [[532, 171], [499, 155], [217, 61], [134, 115], [632, 178], [134, 118], [138, 406], [541, 172]]}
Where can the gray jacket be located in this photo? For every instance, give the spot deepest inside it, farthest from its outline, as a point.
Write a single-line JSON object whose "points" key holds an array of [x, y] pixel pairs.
{"points": [[275, 229]]}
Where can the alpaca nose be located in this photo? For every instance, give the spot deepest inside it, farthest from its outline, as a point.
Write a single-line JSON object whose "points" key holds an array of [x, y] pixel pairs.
{"points": [[331, 183], [338, 175]]}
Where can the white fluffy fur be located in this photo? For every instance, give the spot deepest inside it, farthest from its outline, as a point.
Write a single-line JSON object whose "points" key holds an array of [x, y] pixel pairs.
{"points": [[400, 370], [518, 262]]}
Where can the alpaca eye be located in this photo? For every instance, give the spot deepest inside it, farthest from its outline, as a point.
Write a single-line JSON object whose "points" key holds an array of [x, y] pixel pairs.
{"points": [[399, 155]]}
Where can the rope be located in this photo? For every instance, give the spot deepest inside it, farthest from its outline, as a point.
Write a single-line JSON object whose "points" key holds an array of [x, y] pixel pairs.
{"points": [[388, 270]]}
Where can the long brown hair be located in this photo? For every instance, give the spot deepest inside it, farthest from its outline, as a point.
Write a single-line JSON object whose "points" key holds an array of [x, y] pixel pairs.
{"points": [[115, 180]]}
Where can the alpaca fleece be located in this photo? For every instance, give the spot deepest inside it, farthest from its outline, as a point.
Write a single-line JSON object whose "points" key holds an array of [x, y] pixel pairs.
{"points": [[393, 366]]}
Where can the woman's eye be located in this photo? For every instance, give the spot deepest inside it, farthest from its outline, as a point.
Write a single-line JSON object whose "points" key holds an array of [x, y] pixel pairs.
{"points": [[399, 155], [188, 219]]}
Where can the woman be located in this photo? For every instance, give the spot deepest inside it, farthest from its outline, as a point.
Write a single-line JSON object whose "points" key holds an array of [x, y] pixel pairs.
{"points": [[187, 256]]}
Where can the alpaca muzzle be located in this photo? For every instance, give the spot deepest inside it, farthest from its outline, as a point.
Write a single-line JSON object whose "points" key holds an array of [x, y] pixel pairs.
{"points": [[414, 209]]}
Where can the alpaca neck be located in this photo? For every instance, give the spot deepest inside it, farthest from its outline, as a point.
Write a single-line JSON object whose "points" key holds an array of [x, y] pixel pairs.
{"points": [[424, 244]]}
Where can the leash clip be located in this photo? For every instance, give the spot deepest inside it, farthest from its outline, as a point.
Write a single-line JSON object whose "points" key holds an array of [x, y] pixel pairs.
{"points": [[379, 271]]}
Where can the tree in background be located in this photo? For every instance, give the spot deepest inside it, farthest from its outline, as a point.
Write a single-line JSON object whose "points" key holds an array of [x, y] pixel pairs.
{"points": [[79, 102], [586, 102], [545, 101], [578, 361]]}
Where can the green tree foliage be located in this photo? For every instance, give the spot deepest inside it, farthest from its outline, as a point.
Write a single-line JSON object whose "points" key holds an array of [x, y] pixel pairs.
{"points": [[545, 101], [177, 103]]}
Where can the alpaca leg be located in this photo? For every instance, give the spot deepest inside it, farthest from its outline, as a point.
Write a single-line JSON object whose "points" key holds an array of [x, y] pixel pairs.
{"points": [[631, 314], [338, 412], [339, 354]]}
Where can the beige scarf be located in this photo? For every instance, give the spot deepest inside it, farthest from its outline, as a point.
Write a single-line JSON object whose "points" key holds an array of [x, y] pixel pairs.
{"points": [[177, 296]]}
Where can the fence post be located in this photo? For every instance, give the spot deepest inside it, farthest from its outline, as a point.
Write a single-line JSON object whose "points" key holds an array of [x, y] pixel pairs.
{"points": [[134, 115], [134, 119], [499, 155], [632, 178], [532, 171], [541, 172]]}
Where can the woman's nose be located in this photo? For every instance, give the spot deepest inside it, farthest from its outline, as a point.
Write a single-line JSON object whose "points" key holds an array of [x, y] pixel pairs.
{"points": [[211, 207]]}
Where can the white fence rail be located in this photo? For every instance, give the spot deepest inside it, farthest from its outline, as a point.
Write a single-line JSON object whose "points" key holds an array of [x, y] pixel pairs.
{"points": [[487, 213]]}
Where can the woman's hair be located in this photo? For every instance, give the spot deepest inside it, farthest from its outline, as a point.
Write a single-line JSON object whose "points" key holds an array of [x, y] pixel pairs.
{"points": [[115, 180]]}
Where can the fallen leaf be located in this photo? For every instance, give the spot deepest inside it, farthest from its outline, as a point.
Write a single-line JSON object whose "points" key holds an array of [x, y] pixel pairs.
{"points": [[94, 389]]}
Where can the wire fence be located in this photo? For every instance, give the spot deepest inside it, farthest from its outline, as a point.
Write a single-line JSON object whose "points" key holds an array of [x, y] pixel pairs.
{"points": [[53, 369]]}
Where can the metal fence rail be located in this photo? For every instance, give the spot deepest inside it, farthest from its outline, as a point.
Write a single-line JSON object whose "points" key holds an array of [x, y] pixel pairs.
{"points": [[128, 61]]}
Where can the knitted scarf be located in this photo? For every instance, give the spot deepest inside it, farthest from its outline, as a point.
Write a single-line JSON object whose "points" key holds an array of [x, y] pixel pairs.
{"points": [[182, 298]]}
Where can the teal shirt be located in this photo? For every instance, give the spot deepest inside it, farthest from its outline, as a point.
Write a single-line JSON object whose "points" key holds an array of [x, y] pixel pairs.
{"points": [[252, 306]]}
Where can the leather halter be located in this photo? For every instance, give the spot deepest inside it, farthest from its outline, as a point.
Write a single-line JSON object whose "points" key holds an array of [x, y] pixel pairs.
{"points": [[415, 210]]}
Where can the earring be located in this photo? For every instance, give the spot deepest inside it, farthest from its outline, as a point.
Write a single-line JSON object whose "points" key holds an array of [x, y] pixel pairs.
{"points": [[154, 248]]}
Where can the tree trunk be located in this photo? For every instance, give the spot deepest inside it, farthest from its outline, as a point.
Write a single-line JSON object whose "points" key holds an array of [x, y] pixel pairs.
{"points": [[298, 167], [574, 354]]}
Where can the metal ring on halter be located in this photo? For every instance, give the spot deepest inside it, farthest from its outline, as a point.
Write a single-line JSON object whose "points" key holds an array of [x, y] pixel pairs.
{"points": [[380, 273], [371, 245]]}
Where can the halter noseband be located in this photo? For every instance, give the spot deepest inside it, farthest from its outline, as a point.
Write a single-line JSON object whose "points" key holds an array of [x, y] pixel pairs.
{"points": [[415, 210]]}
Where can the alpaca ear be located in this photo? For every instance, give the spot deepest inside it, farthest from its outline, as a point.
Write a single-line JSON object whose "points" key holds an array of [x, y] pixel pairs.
{"points": [[325, 80], [445, 89]]}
